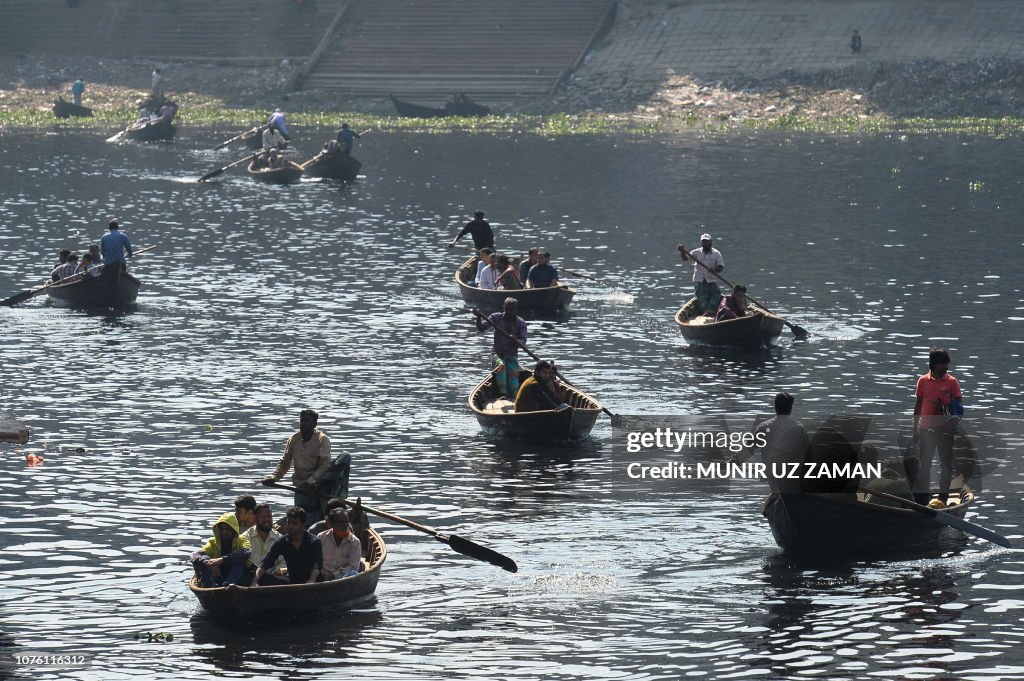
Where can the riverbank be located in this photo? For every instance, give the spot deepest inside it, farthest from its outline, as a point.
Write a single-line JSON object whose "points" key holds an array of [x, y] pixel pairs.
{"points": [[980, 95]]}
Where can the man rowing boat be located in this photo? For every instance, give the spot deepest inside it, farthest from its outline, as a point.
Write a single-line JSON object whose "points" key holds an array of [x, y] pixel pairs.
{"points": [[705, 284]]}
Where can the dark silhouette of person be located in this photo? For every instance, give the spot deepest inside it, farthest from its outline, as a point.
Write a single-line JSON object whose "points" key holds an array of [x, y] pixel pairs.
{"points": [[855, 41]]}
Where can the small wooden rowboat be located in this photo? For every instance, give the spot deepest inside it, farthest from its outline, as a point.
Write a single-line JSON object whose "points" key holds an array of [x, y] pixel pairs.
{"points": [[838, 524], [286, 174], [254, 138], [757, 328], [243, 603], [151, 131], [550, 298], [457, 106], [333, 167], [497, 415], [65, 109], [112, 288]]}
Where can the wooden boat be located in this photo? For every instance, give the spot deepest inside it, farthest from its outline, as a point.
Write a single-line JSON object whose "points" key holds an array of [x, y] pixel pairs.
{"points": [[65, 109], [151, 131], [553, 298], [835, 523], [243, 603], [757, 328], [333, 167], [254, 138], [457, 106], [497, 416], [112, 288], [286, 174]]}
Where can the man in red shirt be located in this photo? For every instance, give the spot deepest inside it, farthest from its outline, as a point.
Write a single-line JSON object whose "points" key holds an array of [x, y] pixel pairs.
{"points": [[936, 414]]}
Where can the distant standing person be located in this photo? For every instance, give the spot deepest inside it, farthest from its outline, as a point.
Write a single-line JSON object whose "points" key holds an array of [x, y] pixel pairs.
{"points": [[786, 444], [277, 121], [157, 85], [347, 138], [937, 412], [77, 88], [115, 245], [855, 41], [505, 351], [480, 229], [705, 288]]}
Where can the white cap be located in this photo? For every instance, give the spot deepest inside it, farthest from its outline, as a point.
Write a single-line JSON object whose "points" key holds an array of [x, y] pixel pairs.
{"points": [[705, 237]]}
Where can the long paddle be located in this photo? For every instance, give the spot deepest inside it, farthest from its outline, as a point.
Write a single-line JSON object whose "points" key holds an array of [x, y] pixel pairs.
{"points": [[218, 171], [25, 295], [798, 331], [236, 137], [943, 518], [480, 315], [459, 544]]}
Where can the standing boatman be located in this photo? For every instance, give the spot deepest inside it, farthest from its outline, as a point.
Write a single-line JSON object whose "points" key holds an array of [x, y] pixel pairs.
{"points": [[114, 245], [276, 120], [77, 88], [483, 235], [704, 284], [347, 138], [309, 451], [505, 351]]}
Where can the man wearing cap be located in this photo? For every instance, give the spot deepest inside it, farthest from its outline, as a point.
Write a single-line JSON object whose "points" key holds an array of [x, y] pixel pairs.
{"points": [[341, 548], [114, 245], [704, 283], [483, 235]]}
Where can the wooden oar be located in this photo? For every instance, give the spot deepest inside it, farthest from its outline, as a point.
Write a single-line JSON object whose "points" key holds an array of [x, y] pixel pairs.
{"points": [[943, 518], [459, 544], [236, 137], [584, 276], [515, 340], [218, 171], [25, 295], [798, 331]]}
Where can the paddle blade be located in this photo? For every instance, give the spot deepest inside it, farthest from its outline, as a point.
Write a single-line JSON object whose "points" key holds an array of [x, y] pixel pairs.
{"points": [[970, 528], [17, 298], [212, 174], [798, 331], [474, 550]]}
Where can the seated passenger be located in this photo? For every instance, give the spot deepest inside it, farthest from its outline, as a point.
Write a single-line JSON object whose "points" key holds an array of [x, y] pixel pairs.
{"points": [[325, 524], [261, 537], [542, 391], [341, 548], [245, 511], [67, 269], [542, 275], [61, 260], [508, 277], [489, 274], [223, 557], [303, 553], [733, 305], [88, 267], [484, 258], [275, 159]]}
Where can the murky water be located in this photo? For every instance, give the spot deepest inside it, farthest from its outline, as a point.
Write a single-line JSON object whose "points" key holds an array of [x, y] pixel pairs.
{"points": [[259, 301]]}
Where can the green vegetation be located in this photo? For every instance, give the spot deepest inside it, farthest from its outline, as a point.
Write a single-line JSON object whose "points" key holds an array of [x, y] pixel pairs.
{"points": [[110, 119]]}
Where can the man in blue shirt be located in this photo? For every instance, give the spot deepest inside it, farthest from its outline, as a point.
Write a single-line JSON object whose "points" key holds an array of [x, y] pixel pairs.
{"points": [[277, 122], [113, 246], [77, 88], [542, 274], [347, 138]]}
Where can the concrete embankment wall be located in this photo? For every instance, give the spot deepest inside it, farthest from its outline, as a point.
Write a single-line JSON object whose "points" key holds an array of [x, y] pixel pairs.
{"points": [[717, 39]]}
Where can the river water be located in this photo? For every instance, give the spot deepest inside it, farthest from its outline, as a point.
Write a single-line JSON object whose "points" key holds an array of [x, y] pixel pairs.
{"points": [[259, 301]]}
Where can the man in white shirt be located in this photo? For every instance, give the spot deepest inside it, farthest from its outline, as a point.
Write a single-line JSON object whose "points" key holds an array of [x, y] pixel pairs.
{"points": [[262, 536], [489, 274], [341, 548], [705, 283]]}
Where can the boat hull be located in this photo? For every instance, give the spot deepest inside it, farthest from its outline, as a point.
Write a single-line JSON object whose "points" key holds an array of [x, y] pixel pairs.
{"points": [[551, 298], [464, 108], [113, 289], [63, 109], [152, 131], [338, 167], [284, 175], [757, 329], [240, 603], [574, 423], [838, 524]]}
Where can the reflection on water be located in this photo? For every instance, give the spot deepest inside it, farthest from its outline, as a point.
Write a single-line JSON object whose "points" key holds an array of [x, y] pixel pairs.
{"points": [[259, 301]]}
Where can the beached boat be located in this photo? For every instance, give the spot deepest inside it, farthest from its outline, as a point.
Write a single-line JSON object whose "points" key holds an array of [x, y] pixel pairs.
{"points": [[457, 106], [151, 130], [286, 174], [112, 288], [333, 167], [838, 524], [550, 298], [243, 603], [497, 415], [65, 109], [757, 328]]}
